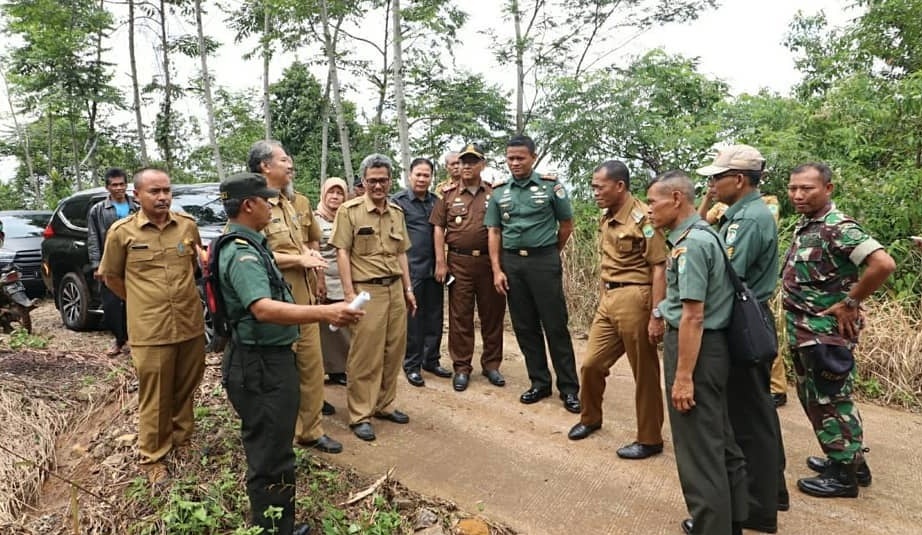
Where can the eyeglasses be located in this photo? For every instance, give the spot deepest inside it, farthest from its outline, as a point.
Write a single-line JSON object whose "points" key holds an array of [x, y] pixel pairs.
{"points": [[377, 181]]}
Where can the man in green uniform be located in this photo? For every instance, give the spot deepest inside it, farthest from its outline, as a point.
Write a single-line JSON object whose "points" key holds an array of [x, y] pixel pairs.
{"points": [[296, 260], [259, 370], [823, 287], [370, 234], [633, 272], [696, 361], [751, 237], [149, 261], [529, 220]]}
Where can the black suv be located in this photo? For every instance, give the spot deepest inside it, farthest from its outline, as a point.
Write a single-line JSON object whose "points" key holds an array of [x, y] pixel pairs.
{"points": [[65, 261]]}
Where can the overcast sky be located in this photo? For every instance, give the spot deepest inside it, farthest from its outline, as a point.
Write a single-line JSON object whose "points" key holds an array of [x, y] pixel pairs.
{"points": [[740, 42]]}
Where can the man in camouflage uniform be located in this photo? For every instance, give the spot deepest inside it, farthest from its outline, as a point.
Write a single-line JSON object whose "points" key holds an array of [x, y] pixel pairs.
{"points": [[823, 289]]}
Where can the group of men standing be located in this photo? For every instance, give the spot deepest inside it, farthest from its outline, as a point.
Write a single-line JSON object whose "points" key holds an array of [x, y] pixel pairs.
{"points": [[663, 279]]}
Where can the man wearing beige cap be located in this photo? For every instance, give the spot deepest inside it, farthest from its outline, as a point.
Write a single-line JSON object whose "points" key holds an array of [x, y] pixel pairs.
{"points": [[751, 237]]}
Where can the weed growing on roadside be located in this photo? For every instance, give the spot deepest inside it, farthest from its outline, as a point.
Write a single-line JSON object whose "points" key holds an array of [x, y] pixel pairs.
{"points": [[21, 339]]}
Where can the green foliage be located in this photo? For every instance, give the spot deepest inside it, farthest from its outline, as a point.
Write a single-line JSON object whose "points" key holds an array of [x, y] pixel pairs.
{"points": [[21, 339]]}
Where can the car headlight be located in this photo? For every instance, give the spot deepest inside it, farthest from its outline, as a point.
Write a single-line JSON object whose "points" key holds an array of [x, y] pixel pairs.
{"points": [[6, 257]]}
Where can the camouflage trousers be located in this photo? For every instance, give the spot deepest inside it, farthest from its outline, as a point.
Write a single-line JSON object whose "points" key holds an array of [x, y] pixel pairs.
{"points": [[835, 418]]}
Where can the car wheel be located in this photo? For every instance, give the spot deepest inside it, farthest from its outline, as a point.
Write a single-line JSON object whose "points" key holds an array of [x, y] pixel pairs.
{"points": [[74, 302]]}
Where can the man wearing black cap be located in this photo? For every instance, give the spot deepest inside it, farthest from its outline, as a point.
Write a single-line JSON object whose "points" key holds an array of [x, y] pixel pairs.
{"points": [[259, 370], [458, 219], [358, 187]]}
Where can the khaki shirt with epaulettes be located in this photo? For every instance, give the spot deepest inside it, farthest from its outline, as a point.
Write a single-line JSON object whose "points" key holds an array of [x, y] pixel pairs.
{"points": [[629, 244], [310, 231], [285, 236], [159, 269], [461, 214], [439, 189], [373, 238]]}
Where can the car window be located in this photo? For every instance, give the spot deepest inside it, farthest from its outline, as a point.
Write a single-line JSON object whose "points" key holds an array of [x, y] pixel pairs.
{"points": [[25, 225], [75, 210], [205, 206]]}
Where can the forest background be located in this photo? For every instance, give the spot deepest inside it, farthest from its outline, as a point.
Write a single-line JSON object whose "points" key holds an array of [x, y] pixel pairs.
{"points": [[857, 105]]}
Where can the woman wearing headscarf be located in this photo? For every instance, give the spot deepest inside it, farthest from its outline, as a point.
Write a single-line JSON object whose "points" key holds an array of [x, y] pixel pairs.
{"points": [[335, 345]]}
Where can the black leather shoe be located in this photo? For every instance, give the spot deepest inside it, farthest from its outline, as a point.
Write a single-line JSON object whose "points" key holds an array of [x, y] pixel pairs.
{"points": [[571, 402], [415, 379], [784, 500], [364, 431], [396, 416], [337, 379], [762, 525], [687, 526], [581, 431], [438, 370], [324, 444], [327, 409], [862, 472], [460, 381], [534, 395], [495, 378], [302, 529], [780, 399], [837, 481], [636, 450]]}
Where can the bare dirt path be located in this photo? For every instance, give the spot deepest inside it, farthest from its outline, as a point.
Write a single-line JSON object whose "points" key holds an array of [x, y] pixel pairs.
{"points": [[488, 452]]}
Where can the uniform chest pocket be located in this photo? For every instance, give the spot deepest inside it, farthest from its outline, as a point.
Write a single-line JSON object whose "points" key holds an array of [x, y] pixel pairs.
{"points": [[808, 266], [456, 210], [274, 228], [179, 254], [140, 255], [365, 244], [394, 242], [628, 244]]}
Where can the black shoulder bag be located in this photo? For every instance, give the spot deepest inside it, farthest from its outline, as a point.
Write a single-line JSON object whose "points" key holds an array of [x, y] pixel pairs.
{"points": [[750, 336]]}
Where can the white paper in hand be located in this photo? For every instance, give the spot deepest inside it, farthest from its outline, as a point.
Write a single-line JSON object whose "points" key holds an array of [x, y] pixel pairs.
{"points": [[357, 304]]}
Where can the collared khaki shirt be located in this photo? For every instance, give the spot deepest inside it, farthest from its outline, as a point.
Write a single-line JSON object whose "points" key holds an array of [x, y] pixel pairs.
{"points": [[310, 230], [373, 238], [629, 245], [461, 214], [158, 266], [285, 236]]}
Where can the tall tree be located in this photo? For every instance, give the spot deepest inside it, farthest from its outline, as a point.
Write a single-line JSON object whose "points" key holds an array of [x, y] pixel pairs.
{"points": [[135, 85], [403, 128], [206, 85]]}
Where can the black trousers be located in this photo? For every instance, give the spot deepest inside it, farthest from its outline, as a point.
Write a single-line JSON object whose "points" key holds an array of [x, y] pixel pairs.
{"points": [[712, 470], [538, 310], [262, 384], [424, 330], [758, 433], [114, 315]]}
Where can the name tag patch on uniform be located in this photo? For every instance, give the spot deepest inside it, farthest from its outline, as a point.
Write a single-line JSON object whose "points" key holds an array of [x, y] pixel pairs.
{"points": [[139, 246], [648, 231], [248, 258], [731, 233], [365, 231]]}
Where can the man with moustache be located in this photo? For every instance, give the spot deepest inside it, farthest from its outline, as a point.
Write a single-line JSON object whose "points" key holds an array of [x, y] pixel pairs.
{"points": [[529, 220], [424, 330], [458, 219], [296, 261], [149, 261], [696, 361], [633, 282], [259, 370], [370, 235]]}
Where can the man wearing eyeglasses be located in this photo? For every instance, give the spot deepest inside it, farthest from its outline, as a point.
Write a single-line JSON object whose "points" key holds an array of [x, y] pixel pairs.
{"points": [[751, 236], [370, 234]]}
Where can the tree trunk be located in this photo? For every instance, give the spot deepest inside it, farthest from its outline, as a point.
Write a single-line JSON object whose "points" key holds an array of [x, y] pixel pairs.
{"points": [[403, 129], [75, 154], [325, 132], [382, 87], [330, 49], [23, 135], [519, 68], [166, 107], [267, 112], [135, 87], [206, 84]]}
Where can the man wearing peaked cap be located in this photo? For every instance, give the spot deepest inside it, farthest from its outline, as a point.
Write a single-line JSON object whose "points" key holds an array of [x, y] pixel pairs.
{"points": [[458, 218], [259, 369], [751, 237]]}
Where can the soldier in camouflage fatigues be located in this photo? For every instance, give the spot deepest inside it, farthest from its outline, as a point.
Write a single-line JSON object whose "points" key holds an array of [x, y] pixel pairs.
{"points": [[823, 288]]}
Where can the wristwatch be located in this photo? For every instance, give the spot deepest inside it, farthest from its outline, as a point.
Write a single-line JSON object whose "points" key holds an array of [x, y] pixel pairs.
{"points": [[851, 302], [657, 313]]}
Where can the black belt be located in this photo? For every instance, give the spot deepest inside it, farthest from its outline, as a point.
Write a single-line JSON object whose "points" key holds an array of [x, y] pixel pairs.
{"points": [[528, 251], [381, 281], [612, 285], [467, 252]]}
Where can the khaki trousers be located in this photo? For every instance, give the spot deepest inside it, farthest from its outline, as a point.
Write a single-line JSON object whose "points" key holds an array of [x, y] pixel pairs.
{"points": [[474, 283], [619, 326], [167, 378], [310, 368], [779, 378], [379, 343]]}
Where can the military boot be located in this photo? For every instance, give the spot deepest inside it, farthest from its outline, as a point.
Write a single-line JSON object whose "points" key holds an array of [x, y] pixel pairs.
{"points": [[862, 472], [837, 481]]}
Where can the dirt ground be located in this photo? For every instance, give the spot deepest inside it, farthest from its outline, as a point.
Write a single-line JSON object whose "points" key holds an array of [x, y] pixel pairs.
{"points": [[512, 463]]}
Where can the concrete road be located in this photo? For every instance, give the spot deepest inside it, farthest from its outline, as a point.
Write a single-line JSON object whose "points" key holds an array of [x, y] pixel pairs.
{"points": [[513, 463]]}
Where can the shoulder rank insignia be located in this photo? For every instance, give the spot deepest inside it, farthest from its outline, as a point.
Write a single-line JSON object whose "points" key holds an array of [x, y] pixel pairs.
{"points": [[549, 177], [637, 216]]}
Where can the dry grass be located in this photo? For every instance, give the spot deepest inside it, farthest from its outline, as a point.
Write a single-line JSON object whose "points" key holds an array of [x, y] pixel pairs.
{"points": [[889, 355], [581, 283]]}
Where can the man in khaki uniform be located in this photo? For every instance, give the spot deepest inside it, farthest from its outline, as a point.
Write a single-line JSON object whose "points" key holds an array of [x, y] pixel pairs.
{"points": [[370, 234], [286, 241], [633, 281], [149, 261], [453, 165]]}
